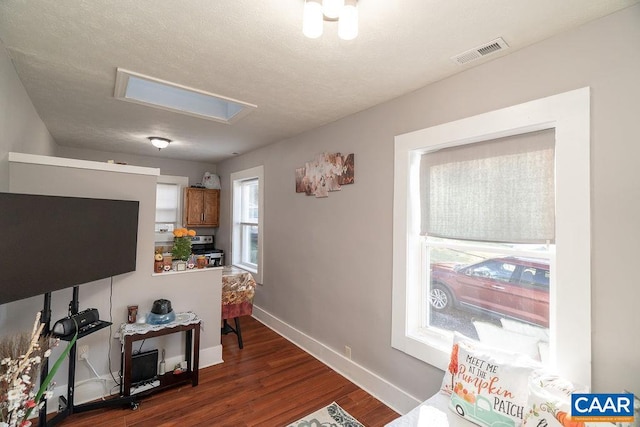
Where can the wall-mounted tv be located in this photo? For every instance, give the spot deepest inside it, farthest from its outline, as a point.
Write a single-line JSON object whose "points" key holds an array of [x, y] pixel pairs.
{"points": [[51, 242]]}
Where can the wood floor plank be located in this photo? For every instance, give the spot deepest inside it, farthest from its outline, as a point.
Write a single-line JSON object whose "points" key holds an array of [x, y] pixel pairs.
{"points": [[270, 382]]}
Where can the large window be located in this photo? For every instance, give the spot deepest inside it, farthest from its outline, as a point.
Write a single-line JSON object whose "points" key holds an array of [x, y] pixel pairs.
{"points": [[247, 220], [491, 232]]}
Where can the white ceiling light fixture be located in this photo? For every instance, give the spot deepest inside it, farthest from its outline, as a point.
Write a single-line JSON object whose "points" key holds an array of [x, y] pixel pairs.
{"points": [[159, 142], [348, 22], [332, 8], [312, 19], [318, 11]]}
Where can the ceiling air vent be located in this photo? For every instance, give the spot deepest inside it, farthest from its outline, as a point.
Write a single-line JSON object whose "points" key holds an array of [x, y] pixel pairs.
{"points": [[478, 52]]}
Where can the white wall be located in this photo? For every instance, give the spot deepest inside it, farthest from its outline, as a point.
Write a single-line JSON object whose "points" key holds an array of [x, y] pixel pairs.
{"points": [[20, 126], [328, 265]]}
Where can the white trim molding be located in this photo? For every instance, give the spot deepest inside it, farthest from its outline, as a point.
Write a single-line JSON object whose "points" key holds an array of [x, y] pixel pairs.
{"points": [[570, 302], [397, 399], [234, 257]]}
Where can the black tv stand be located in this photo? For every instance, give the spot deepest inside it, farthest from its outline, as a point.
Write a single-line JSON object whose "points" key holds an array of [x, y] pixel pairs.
{"points": [[83, 331], [66, 405]]}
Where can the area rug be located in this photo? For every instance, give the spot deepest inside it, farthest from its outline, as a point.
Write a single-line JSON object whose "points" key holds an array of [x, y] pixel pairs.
{"points": [[329, 416]]}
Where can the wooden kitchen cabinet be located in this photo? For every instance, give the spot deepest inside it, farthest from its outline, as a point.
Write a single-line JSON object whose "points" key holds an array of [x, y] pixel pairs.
{"points": [[201, 207]]}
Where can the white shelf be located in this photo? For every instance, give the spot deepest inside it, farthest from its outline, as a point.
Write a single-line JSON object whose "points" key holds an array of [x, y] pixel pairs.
{"points": [[80, 164], [195, 270]]}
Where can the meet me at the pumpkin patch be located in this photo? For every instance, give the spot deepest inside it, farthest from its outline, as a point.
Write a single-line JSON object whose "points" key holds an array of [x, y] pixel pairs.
{"points": [[475, 376]]}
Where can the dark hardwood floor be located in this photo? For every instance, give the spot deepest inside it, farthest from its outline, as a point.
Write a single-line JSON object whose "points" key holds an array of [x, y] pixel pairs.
{"points": [[270, 382]]}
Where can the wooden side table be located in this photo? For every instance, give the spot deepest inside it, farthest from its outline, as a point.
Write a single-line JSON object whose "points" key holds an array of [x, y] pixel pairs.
{"points": [[133, 333]]}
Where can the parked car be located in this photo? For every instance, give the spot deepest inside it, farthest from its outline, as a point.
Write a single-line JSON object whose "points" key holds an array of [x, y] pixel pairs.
{"points": [[504, 287]]}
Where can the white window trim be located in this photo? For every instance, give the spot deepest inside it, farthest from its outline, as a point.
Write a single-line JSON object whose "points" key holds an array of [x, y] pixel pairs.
{"points": [[570, 304], [236, 178]]}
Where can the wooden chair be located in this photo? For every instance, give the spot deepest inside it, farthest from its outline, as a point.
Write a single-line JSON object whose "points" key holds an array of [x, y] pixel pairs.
{"points": [[238, 289]]}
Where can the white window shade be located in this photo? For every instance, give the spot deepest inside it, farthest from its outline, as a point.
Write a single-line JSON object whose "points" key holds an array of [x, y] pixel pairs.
{"points": [[500, 190], [167, 203]]}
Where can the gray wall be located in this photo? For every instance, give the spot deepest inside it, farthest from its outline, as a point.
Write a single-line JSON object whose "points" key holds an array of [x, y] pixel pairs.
{"points": [[20, 126], [328, 261]]}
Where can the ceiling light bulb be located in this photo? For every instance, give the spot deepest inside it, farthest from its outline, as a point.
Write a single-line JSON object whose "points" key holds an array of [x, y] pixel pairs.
{"points": [[158, 142], [332, 8], [312, 19], [348, 23]]}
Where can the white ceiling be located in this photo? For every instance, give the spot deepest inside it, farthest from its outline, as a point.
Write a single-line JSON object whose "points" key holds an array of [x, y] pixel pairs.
{"points": [[66, 54]]}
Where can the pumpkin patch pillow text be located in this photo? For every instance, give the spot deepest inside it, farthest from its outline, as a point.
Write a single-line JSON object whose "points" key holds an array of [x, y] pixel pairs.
{"points": [[489, 389]]}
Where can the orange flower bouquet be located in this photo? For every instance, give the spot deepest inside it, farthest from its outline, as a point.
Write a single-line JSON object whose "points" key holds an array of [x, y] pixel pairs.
{"points": [[182, 243]]}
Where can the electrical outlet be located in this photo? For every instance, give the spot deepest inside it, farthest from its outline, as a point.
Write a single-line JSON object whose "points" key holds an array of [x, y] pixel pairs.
{"points": [[83, 352], [347, 352]]}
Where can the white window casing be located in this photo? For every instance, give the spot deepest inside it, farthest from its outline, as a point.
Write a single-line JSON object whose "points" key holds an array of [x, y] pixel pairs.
{"points": [[568, 114], [240, 223]]}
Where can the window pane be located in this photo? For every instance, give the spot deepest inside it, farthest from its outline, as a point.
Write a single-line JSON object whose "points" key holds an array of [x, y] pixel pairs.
{"points": [[250, 201], [250, 244], [503, 287], [166, 215]]}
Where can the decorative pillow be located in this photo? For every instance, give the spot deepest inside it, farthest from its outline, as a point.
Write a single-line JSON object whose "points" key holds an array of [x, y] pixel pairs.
{"points": [[447, 381], [489, 385], [496, 336], [504, 356], [543, 348], [549, 402], [525, 329]]}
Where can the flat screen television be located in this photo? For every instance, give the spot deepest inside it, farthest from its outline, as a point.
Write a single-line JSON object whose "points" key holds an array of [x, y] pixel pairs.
{"points": [[49, 243]]}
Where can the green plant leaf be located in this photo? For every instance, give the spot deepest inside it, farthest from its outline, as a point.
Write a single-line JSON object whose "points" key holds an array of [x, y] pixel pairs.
{"points": [[51, 374]]}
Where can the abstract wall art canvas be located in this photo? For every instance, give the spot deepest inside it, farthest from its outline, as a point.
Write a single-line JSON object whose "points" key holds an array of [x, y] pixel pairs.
{"points": [[327, 172]]}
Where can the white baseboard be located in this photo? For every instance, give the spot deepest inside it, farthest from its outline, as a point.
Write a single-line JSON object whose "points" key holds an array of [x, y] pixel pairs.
{"points": [[85, 391], [211, 356], [389, 394], [93, 389]]}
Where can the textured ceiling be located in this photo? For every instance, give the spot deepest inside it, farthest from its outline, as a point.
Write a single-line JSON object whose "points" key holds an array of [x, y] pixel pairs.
{"points": [[66, 54]]}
